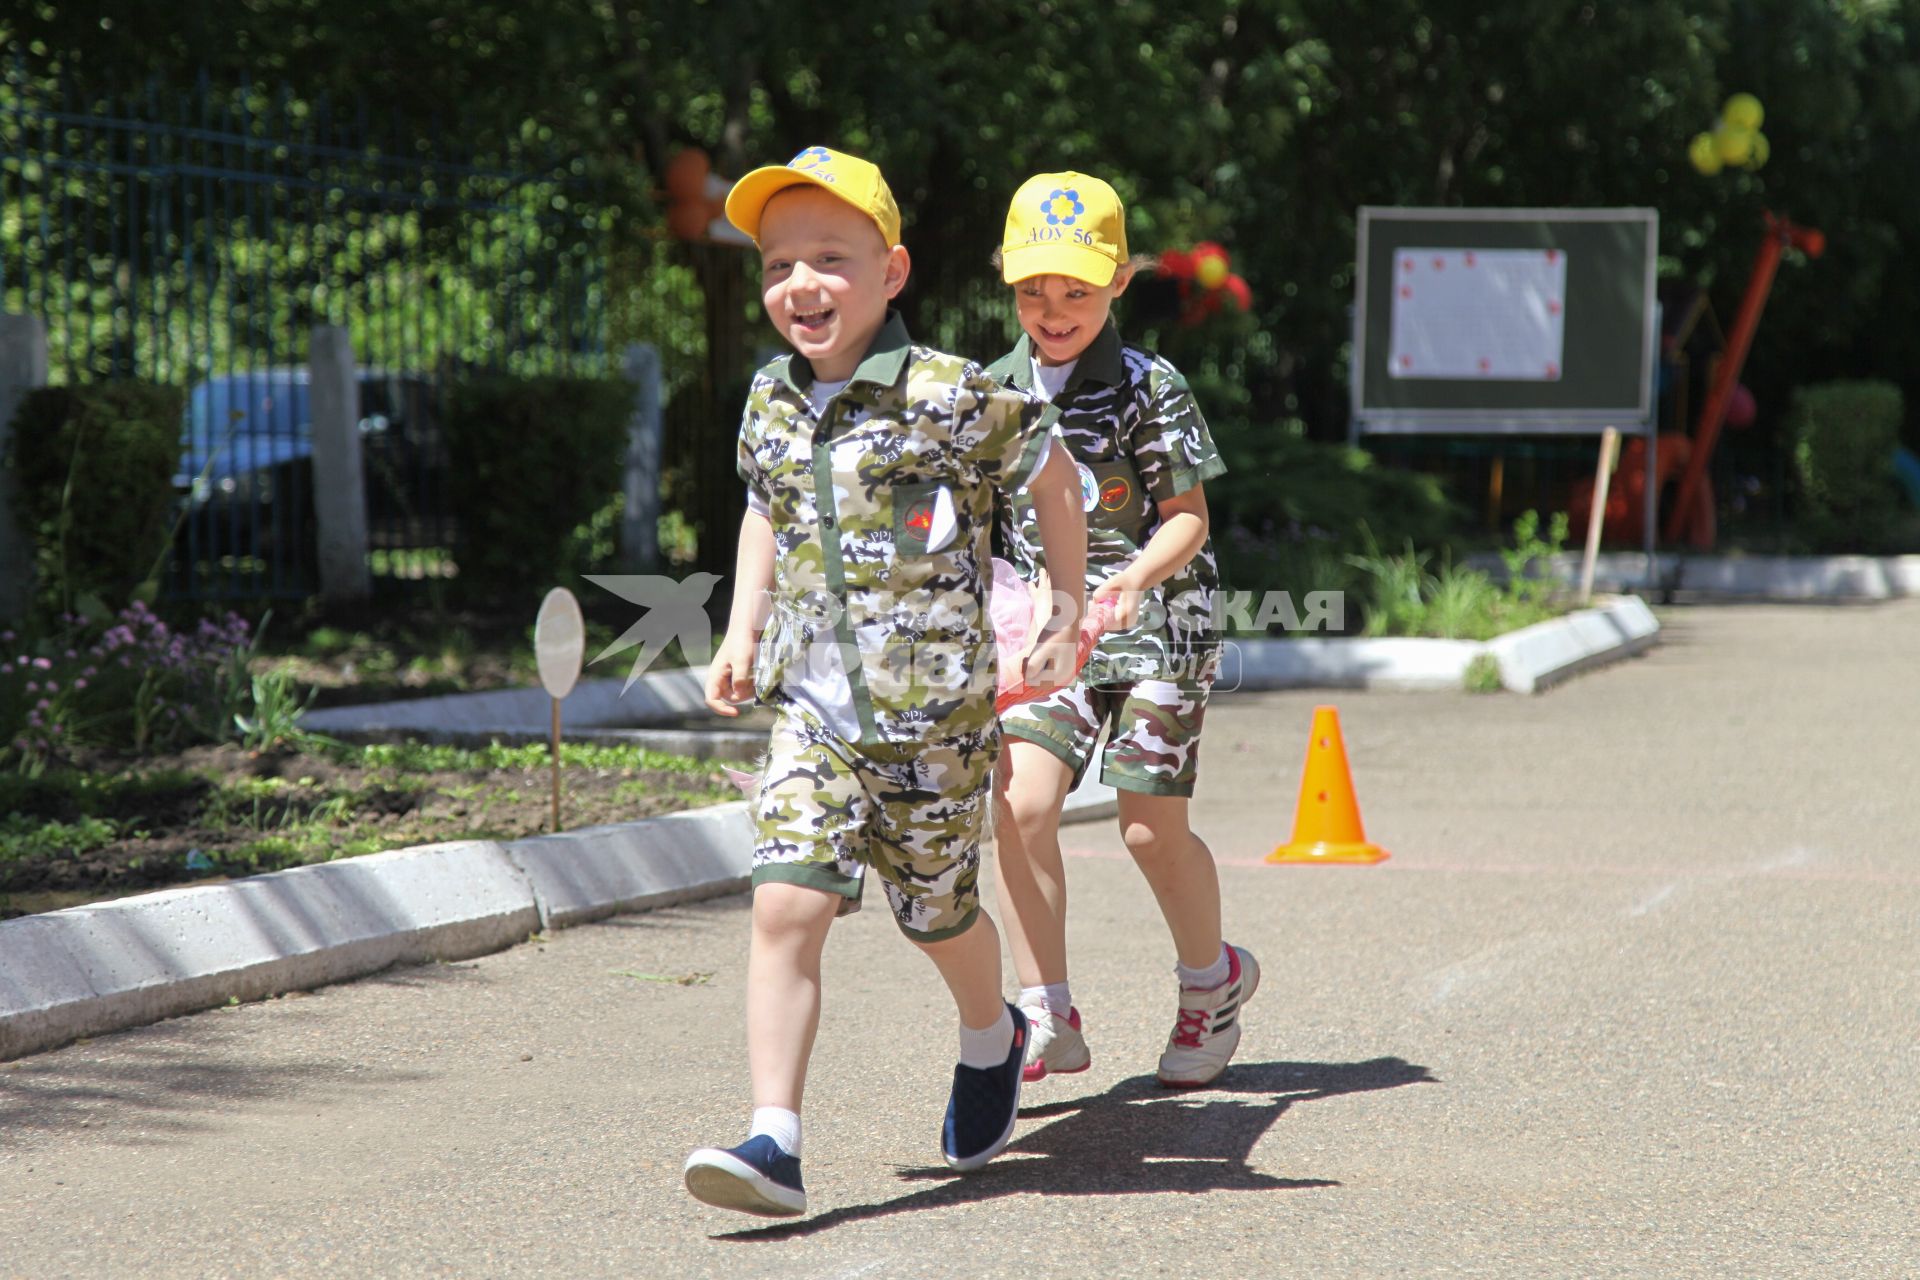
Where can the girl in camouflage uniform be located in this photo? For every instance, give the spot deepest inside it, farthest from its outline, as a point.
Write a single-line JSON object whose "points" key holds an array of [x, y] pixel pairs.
{"points": [[1143, 452]]}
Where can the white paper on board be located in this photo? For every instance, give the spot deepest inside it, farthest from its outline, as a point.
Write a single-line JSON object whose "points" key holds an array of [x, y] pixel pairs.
{"points": [[1479, 314]]}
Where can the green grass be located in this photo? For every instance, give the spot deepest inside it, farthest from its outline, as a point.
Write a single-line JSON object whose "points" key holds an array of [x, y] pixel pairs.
{"points": [[1483, 675], [268, 823], [423, 757], [1405, 598], [22, 836]]}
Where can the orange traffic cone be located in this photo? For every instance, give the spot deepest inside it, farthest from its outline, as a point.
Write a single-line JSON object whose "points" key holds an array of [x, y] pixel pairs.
{"points": [[1326, 826]]}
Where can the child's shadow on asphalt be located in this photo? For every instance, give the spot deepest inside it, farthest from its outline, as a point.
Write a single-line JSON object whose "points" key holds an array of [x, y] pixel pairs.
{"points": [[1135, 1138]]}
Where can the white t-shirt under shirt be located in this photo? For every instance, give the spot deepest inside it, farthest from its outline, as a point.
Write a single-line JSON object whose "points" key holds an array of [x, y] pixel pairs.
{"points": [[1049, 380], [821, 683]]}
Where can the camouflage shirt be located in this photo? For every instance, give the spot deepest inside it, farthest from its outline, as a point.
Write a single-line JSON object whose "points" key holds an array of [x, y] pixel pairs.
{"points": [[882, 510], [1133, 426]]}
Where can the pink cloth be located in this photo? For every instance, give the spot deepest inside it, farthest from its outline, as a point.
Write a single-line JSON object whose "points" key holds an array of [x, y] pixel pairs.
{"points": [[1010, 608]]}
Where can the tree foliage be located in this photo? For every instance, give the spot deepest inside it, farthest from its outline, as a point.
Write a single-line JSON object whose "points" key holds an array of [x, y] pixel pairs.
{"points": [[1263, 124]]}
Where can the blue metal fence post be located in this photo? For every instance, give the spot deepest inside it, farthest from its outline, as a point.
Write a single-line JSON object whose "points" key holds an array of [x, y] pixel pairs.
{"points": [[339, 487], [23, 368], [640, 524]]}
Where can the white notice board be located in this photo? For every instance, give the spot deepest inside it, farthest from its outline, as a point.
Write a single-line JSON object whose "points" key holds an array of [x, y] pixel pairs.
{"points": [[1479, 314]]}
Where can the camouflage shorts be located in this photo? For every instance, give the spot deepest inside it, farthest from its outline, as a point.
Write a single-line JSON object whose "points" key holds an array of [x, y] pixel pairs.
{"points": [[1153, 743], [826, 809]]}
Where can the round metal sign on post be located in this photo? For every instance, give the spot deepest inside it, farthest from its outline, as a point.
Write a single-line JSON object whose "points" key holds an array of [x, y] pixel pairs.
{"points": [[559, 642]]}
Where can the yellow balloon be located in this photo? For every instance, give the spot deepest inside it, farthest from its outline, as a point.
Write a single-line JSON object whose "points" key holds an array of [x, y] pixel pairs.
{"points": [[1743, 111], [1212, 272], [1760, 151], [1705, 156], [1734, 145]]}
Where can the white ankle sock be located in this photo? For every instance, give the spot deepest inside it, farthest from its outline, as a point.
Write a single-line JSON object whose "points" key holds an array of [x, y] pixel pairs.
{"points": [[987, 1046], [1054, 997], [780, 1124], [1208, 978]]}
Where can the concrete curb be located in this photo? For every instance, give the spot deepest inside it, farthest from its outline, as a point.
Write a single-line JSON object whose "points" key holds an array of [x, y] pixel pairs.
{"points": [[1400, 664], [597, 872], [85, 970], [1530, 659], [596, 711], [1538, 657], [1789, 579], [113, 965], [674, 693]]}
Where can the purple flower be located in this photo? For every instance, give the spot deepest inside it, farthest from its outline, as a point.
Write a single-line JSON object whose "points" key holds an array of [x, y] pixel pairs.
{"points": [[125, 661], [91, 671], [71, 655], [43, 664], [33, 719], [33, 686], [43, 705], [53, 728], [53, 686], [6, 668], [173, 713], [81, 683], [21, 744], [7, 637]]}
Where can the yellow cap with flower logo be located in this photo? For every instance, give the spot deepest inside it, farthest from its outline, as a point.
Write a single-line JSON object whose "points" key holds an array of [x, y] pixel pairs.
{"points": [[1064, 224], [854, 180]]}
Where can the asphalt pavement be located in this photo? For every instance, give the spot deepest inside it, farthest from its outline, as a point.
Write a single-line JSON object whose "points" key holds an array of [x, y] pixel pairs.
{"points": [[1635, 996]]}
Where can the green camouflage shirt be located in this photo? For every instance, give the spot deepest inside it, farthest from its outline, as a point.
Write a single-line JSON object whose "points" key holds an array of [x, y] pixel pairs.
{"points": [[1132, 425], [882, 511]]}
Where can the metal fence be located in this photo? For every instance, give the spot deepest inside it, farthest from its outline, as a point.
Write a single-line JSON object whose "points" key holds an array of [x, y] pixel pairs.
{"points": [[197, 238]]}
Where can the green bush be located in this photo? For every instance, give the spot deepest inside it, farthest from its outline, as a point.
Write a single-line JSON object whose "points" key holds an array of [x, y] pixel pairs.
{"points": [[1289, 511], [95, 471], [1844, 435], [1402, 597], [532, 459]]}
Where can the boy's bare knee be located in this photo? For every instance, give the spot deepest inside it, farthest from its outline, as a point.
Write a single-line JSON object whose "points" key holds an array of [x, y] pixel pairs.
{"points": [[1146, 840], [1032, 816], [792, 911]]}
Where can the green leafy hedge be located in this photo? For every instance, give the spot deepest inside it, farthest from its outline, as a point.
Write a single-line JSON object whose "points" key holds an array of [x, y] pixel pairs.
{"points": [[532, 460], [95, 468], [1844, 435]]}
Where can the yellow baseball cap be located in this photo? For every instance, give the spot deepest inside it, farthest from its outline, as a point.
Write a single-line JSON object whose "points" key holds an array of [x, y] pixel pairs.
{"points": [[854, 180], [1064, 224]]}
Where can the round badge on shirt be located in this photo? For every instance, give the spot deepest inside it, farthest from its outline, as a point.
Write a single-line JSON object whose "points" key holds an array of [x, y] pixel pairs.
{"points": [[1089, 487]]}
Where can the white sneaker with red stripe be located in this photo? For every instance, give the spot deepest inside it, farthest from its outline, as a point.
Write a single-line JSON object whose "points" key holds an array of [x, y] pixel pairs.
{"points": [[1208, 1028], [1054, 1045]]}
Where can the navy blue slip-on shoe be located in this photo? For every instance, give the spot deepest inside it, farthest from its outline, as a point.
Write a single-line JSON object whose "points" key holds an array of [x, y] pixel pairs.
{"points": [[758, 1176], [984, 1106]]}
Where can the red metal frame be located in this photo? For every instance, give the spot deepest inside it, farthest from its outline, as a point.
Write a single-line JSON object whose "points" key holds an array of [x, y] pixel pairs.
{"points": [[1706, 434]]}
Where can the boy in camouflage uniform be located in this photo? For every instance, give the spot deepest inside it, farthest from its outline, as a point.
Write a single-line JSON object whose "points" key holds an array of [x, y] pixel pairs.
{"points": [[871, 466], [1143, 452]]}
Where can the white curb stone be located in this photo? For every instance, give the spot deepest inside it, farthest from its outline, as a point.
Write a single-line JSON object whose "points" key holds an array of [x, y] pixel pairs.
{"points": [[1737, 577], [1530, 659], [1392, 663], [596, 872], [1534, 658], [97, 968], [670, 694]]}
